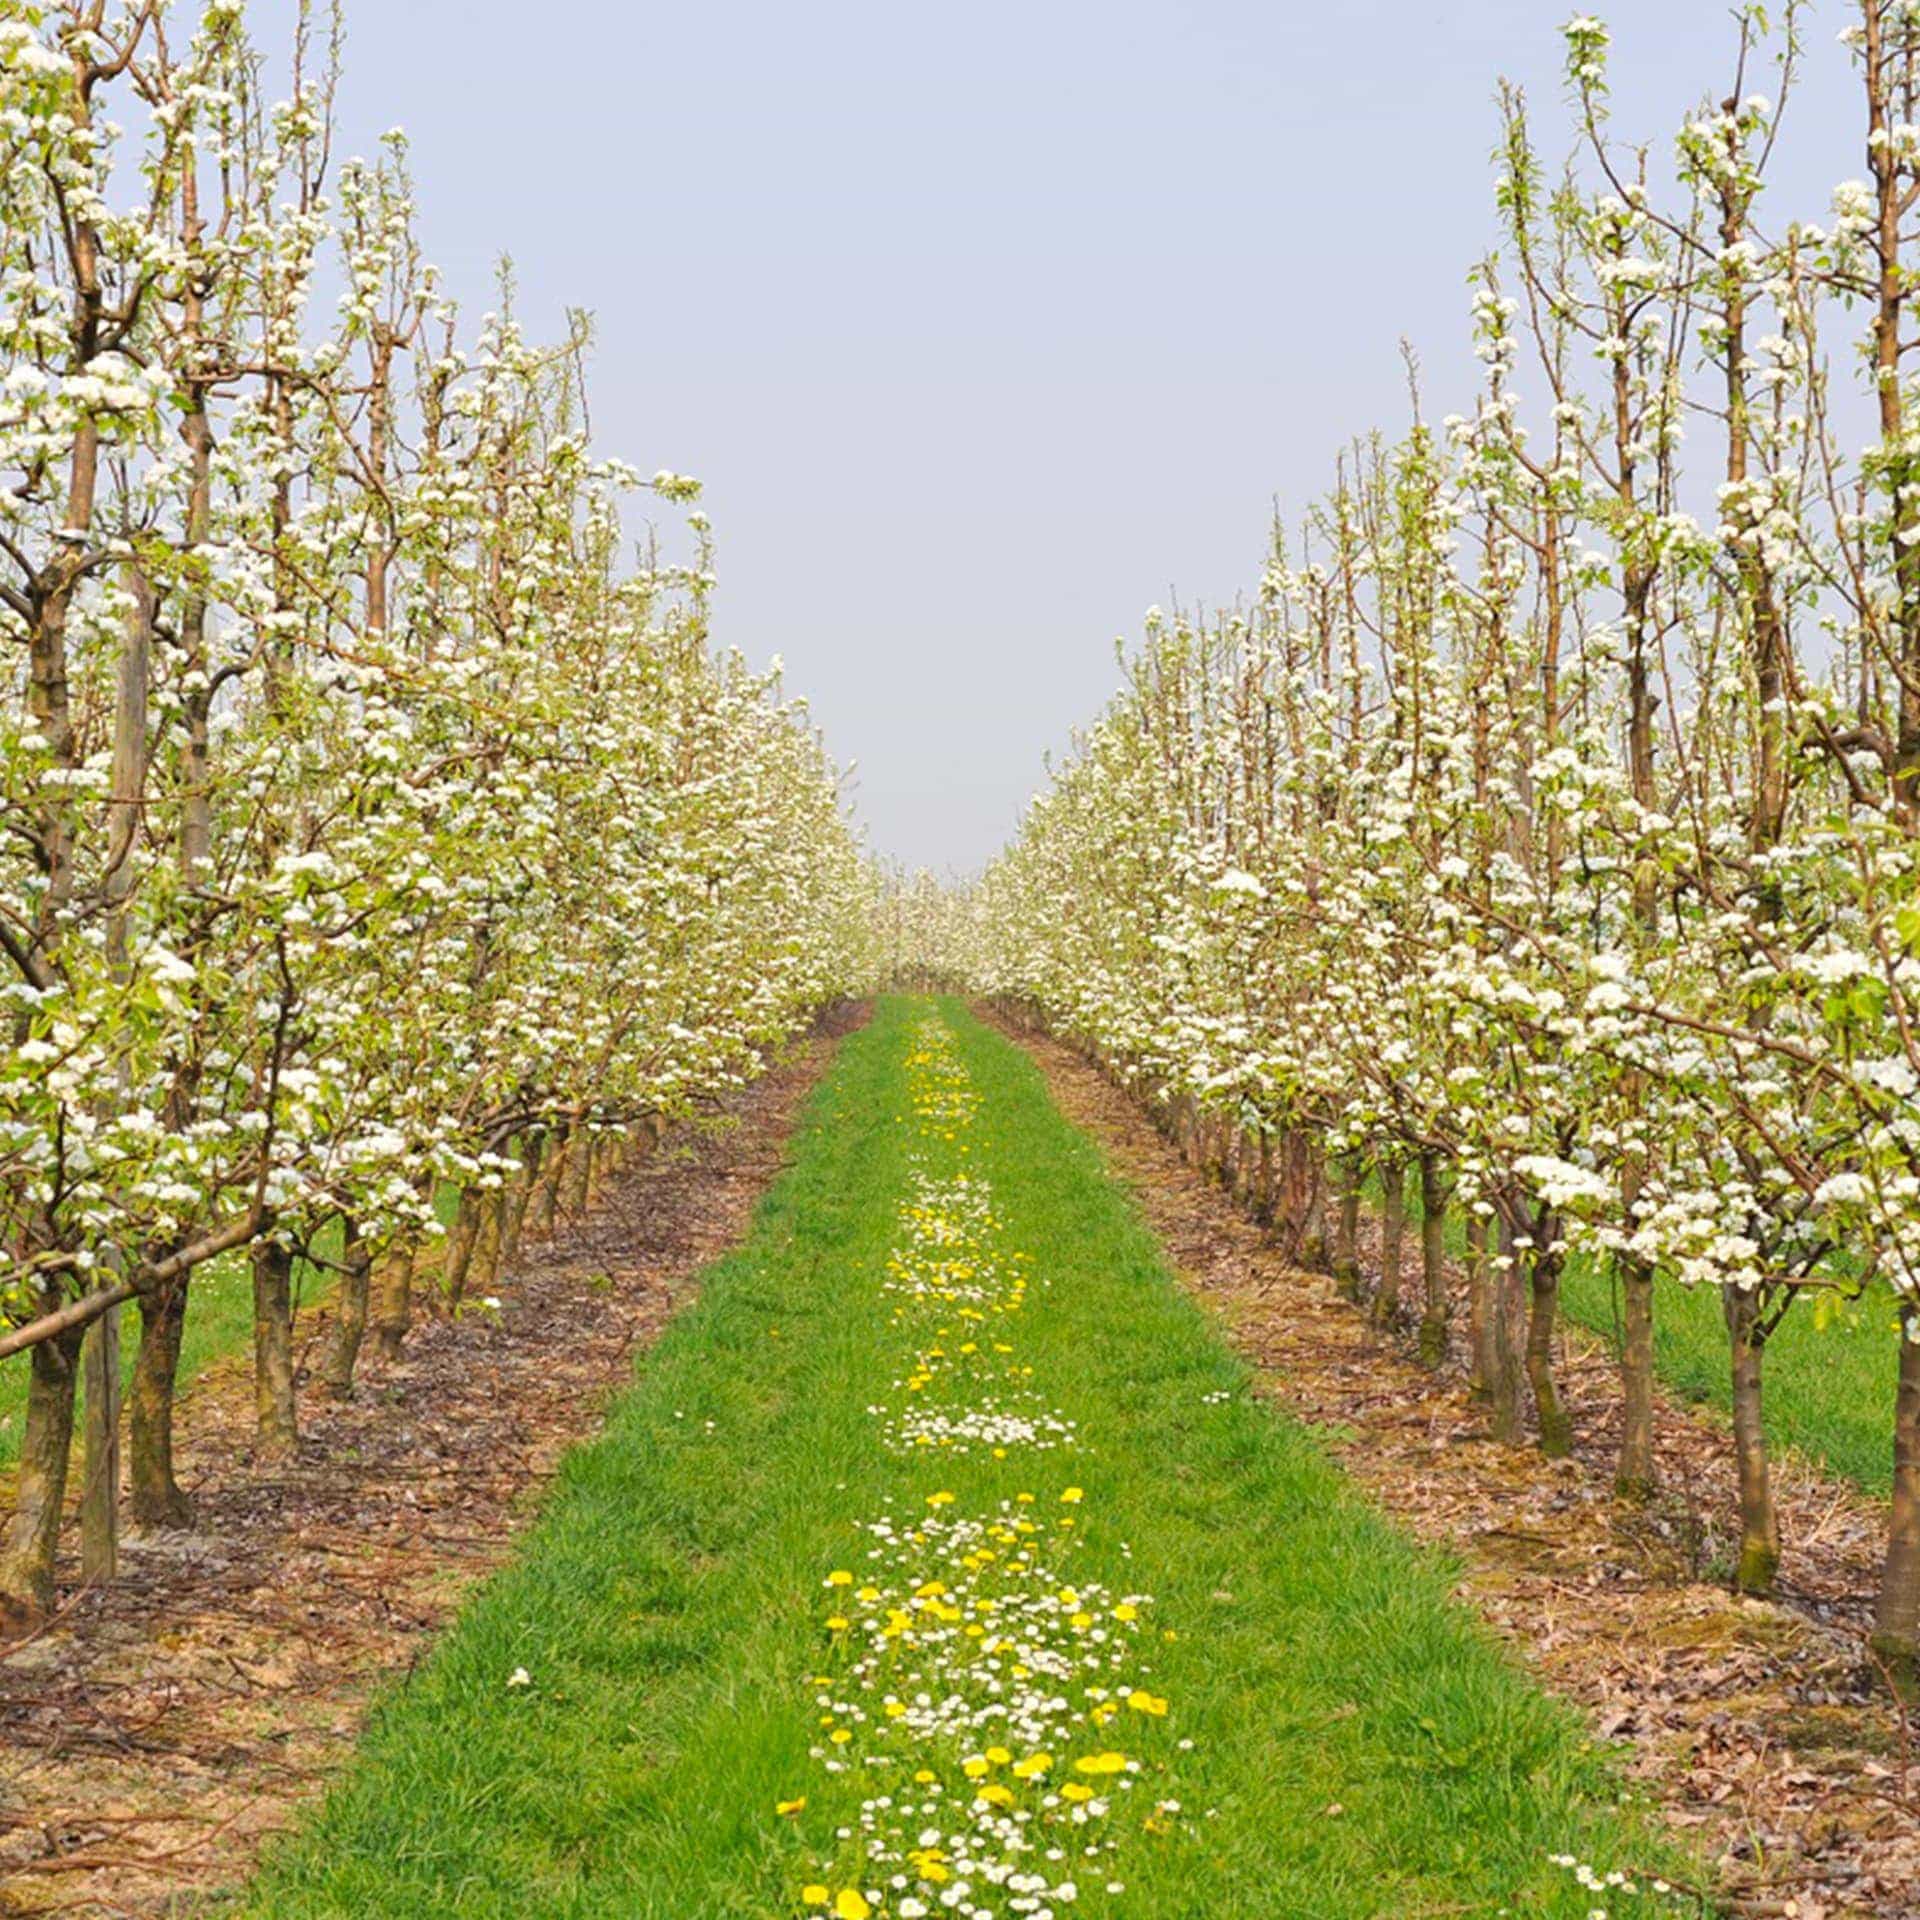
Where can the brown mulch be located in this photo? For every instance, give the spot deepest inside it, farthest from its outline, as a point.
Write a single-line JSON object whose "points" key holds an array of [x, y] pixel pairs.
{"points": [[1760, 1727], [164, 1727]]}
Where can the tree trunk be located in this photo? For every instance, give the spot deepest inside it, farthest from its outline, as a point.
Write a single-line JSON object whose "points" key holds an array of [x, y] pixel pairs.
{"points": [[1393, 1239], [1346, 1239], [1482, 1361], [40, 1483], [1543, 1273], [520, 1193], [1507, 1310], [350, 1323], [1313, 1226], [580, 1177], [277, 1426], [1636, 1477], [1896, 1620], [547, 1201], [1759, 1524], [460, 1240], [1433, 1259], [484, 1269], [156, 1501], [393, 1303], [1258, 1154], [100, 1486]]}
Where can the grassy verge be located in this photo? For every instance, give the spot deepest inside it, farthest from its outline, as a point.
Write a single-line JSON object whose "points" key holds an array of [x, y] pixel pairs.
{"points": [[1831, 1370], [219, 1324], [1341, 1739]]}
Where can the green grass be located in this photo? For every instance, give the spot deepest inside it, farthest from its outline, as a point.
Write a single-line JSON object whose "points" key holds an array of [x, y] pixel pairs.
{"points": [[219, 1324], [1832, 1368], [1362, 1747]]}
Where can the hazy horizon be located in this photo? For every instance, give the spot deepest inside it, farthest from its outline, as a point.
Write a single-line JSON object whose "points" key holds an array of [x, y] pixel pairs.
{"points": [[987, 332]]}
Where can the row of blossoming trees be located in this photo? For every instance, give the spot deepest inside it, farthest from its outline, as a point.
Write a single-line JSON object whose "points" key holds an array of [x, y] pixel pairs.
{"points": [[1542, 836], [374, 825]]}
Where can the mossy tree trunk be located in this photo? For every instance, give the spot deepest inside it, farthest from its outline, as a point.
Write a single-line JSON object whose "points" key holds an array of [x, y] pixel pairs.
{"points": [[155, 1495], [1346, 1239], [1508, 1308], [1635, 1476], [1543, 1325], [1433, 1258], [393, 1301], [1393, 1240], [27, 1562], [1482, 1357], [350, 1322], [1759, 1559], [1896, 1621], [520, 1195], [460, 1243], [276, 1420]]}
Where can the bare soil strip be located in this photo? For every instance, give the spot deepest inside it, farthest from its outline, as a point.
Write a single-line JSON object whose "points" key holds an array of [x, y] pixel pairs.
{"points": [[1758, 1725], [164, 1727]]}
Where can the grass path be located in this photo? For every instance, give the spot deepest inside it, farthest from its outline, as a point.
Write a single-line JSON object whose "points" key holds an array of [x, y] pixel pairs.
{"points": [[941, 1546]]}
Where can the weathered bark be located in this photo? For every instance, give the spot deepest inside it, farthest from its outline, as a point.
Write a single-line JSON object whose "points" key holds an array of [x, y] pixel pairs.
{"points": [[1759, 1522], [350, 1312], [100, 1354], [1636, 1476], [1314, 1251], [1433, 1259], [157, 1500], [1543, 1279], [1482, 1361], [579, 1192], [1346, 1240], [1508, 1308], [460, 1243], [484, 1268], [1257, 1154], [393, 1303], [1896, 1620], [40, 1483], [277, 1428], [1393, 1238], [520, 1193], [546, 1202], [100, 1483]]}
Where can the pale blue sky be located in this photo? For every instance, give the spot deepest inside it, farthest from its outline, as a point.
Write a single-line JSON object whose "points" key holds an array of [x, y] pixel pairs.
{"points": [[990, 326]]}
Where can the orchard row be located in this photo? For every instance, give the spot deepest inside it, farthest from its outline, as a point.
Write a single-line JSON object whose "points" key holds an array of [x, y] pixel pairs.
{"points": [[1544, 828], [377, 827]]}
